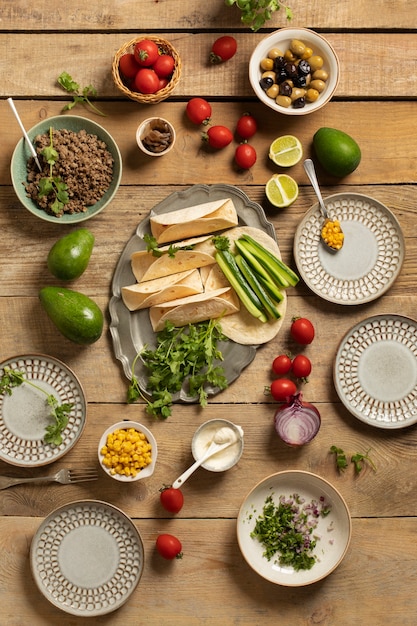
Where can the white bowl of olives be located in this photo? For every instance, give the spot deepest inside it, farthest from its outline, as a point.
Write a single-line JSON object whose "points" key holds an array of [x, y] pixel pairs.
{"points": [[294, 71]]}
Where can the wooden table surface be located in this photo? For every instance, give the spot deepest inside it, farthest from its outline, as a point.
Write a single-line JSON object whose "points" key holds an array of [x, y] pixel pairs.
{"points": [[375, 103]]}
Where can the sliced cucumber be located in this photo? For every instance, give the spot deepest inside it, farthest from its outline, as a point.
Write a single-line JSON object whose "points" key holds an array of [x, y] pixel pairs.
{"points": [[262, 294], [270, 262], [270, 282]]}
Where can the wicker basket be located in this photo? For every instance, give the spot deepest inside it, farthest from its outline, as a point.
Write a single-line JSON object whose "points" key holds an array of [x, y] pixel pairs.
{"points": [[152, 98]]}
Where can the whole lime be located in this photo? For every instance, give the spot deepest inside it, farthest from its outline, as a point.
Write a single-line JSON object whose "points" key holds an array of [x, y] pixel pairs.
{"points": [[69, 256], [337, 152]]}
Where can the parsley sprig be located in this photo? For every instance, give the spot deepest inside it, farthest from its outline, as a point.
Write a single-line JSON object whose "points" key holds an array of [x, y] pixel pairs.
{"points": [[78, 95], [53, 185], [255, 13], [359, 460], [59, 412], [189, 353]]}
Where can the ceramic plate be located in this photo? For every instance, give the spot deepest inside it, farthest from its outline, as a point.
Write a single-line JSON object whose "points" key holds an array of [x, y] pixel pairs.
{"points": [[333, 531], [375, 371], [132, 331], [371, 257], [87, 558], [24, 414]]}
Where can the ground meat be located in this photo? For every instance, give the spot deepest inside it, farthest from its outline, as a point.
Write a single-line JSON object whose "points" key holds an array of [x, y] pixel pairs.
{"points": [[85, 165]]}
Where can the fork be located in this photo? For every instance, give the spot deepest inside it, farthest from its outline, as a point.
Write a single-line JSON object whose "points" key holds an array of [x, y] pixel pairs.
{"points": [[63, 476]]}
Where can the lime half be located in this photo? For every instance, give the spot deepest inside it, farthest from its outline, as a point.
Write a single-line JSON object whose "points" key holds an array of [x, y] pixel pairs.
{"points": [[286, 151], [281, 190]]}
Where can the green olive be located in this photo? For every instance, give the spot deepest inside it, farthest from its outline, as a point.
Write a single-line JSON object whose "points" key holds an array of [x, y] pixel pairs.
{"points": [[283, 101], [274, 53], [321, 75], [308, 52], [269, 74], [273, 91], [297, 47], [296, 93], [267, 64], [312, 95], [316, 62], [289, 56], [318, 85]]}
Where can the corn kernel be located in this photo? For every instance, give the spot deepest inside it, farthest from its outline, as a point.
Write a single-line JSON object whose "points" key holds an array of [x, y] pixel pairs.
{"points": [[126, 452]]}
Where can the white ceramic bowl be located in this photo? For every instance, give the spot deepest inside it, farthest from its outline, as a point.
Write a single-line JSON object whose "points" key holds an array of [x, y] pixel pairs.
{"points": [[333, 531], [144, 473], [22, 154], [146, 127], [281, 39], [223, 460]]}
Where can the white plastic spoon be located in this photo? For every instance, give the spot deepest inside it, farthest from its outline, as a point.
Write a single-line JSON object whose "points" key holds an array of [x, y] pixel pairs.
{"points": [[212, 449], [26, 136]]}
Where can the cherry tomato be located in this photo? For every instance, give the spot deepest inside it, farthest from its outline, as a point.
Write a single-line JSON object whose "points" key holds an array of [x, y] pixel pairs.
{"points": [[198, 111], [281, 365], [163, 82], [223, 49], [302, 330], [282, 389], [128, 65], [301, 366], [172, 499], [246, 126], [146, 52], [218, 137], [245, 156], [169, 547], [146, 81], [164, 65]]}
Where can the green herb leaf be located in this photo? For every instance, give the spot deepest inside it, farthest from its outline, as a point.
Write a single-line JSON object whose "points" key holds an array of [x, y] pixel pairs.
{"points": [[221, 242], [360, 459], [255, 13], [67, 83], [341, 460]]}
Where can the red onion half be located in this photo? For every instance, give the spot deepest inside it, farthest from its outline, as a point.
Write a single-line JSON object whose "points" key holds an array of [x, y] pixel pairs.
{"points": [[297, 422]]}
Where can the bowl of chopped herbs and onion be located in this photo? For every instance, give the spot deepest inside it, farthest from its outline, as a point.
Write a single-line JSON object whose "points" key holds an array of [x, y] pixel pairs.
{"points": [[81, 169], [294, 528]]}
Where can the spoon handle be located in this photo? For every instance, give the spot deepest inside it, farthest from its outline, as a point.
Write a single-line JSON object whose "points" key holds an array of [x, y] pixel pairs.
{"points": [[311, 173], [214, 447], [25, 135]]}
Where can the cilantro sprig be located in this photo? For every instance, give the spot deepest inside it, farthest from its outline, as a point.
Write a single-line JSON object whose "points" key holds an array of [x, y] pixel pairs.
{"points": [[78, 95], [359, 459], [189, 353], [152, 246], [59, 412], [53, 185], [255, 13]]}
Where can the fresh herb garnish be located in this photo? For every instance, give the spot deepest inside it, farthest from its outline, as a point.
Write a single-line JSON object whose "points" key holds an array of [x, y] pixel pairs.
{"points": [[53, 185], [152, 246], [188, 353], [13, 378], [67, 83], [359, 459], [221, 242], [256, 12], [286, 529]]}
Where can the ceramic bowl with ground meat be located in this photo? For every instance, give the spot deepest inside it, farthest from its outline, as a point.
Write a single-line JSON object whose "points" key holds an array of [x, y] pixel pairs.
{"points": [[155, 136], [85, 175]]}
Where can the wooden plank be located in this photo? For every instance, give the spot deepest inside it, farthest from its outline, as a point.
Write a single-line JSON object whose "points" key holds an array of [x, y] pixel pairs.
{"points": [[148, 15], [177, 593], [382, 163], [377, 77]]}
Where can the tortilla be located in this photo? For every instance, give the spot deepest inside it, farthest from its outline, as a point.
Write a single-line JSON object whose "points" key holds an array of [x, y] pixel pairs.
{"points": [[241, 326], [200, 219], [146, 266], [146, 294], [194, 309]]}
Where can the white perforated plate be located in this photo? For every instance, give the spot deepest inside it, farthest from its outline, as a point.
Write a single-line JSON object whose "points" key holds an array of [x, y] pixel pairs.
{"points": [[375, 371], [25, 413], [371, 257], [87, 558]]}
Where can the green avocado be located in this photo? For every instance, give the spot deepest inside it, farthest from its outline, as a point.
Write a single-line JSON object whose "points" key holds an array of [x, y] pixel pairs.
{"points": [[74, 314], [69, 256], [337, 152]]}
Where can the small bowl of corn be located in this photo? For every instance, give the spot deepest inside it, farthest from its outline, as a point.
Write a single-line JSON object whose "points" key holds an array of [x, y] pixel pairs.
{"points": [[127, 452]]}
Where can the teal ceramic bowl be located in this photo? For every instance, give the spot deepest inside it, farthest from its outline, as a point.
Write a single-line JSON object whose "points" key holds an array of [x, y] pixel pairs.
{"points": [[22, 154]]}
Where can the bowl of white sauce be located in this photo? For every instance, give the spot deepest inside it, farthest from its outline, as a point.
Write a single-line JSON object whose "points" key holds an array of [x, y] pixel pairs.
{"points": [[221, 431]]}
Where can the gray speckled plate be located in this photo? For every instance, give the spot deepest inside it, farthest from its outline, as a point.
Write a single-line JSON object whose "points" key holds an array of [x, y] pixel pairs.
{"points": [[132, 331], [371, 257], [375, 371], [87, 558], [25, 413]]}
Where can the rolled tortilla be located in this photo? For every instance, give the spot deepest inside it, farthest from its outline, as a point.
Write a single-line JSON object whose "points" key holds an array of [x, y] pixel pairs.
{"points": [[146, 294], [194, 309], [146, 266], [200, 219]]}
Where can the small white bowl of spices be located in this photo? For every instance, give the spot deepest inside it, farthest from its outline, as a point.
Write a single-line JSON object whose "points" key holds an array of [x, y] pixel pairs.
{"points": [[221, 431], [155, 136]]}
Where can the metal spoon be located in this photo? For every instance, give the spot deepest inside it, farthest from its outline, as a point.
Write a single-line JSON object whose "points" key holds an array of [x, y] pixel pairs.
{"points": [[26, 136], [311, 173], [212, 449]]}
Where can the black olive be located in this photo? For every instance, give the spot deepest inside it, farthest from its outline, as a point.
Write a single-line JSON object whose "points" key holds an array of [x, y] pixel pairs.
{"points": [[278, 63], [291, 70], [285, 89], [304, 67], [266, 83], [299, 103], [281, 75], [300, 81]]}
